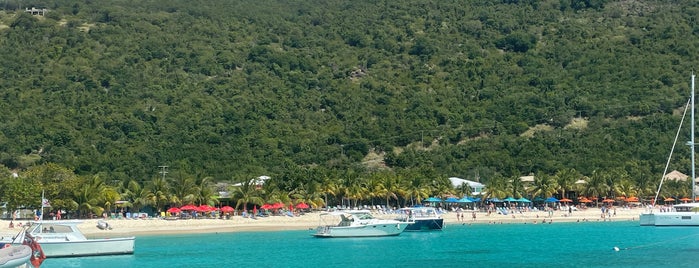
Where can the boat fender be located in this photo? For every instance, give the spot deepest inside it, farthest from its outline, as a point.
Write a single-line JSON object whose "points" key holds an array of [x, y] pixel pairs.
{"points": [[6, 245], [398, 226]]}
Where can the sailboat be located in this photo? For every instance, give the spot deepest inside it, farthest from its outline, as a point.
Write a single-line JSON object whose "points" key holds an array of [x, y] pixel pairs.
{"points": [[686, 214]]}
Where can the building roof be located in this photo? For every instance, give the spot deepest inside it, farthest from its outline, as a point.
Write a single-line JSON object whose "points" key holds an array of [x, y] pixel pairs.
{"points": [[676, 176], [459, 181]]}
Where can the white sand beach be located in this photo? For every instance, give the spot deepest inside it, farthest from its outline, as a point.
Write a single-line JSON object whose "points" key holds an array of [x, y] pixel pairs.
{"points": [[136, 227]]}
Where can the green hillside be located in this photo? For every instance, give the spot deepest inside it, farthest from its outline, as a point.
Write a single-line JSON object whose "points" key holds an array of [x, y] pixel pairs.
{"points": [[237, 89]]}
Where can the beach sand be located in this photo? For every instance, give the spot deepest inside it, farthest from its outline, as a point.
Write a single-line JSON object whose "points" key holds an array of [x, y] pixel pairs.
{"points": [[138, 227]]}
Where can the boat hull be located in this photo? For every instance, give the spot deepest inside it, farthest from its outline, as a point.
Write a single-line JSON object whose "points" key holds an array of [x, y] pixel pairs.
{"points": [[425, 225], [91, 247], [373, 230], [677, 219], [647, 219]]}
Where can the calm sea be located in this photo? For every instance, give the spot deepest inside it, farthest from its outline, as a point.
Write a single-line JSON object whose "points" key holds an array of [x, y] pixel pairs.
{"points": [[588, 244]]}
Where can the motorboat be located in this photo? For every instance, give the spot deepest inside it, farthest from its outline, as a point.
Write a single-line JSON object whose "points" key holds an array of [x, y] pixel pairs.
{"points": [[422, 218], [63, 238], [359, 223]]}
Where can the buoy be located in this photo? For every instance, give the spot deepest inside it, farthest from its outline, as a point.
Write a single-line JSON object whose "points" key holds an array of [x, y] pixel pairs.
{"points": [[616, 249]]}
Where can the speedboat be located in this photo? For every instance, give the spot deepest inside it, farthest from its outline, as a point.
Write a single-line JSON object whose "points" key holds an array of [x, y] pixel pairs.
{"points": [[359, 223], [62, 238], [423, 218]]}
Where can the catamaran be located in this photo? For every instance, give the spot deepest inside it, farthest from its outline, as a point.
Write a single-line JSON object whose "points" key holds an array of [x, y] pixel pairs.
{"points": [[686, 214]]}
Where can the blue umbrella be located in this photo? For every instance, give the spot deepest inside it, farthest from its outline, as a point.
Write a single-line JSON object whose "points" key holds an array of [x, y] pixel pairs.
{"points": [[494, 199], [524, 200], [451, 200], [510, 199], [551, 200], [465, 200], [433, 199]]}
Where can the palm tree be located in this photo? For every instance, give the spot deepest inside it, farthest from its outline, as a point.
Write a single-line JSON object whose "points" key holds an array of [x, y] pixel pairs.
{"points": [[204, 192], [184, 190], [328, 187], [596, 185], [516, 187], [543, 186], [246, 193], [87, 196], [159, 192], [565, 180], [136, 195], [496, 187]]}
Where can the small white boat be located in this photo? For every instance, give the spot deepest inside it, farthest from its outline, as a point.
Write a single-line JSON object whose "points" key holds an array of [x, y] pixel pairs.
{"points": [[26, 255], [422, 218], [15, 256], [62, 238], [359, 223]]}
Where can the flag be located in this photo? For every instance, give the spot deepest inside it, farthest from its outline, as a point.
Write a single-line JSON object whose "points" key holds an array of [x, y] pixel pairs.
{"points": [[45, 202]]}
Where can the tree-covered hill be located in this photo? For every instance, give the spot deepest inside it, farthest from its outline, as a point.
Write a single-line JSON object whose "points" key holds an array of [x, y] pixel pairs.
{"points": [[233, 89]]}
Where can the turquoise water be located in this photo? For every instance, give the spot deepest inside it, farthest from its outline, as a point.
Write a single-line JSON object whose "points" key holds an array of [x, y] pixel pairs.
{"points": [[588, 244]]}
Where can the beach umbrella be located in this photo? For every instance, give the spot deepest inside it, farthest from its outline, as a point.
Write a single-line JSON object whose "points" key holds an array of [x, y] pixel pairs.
{"points": [[433, 199], [302, 206], [607, 200], [278, 205], [523, 200], [227, 209], [565, 200], [632, 199], [451, 200], [669, 199], [464, 200], [539, 199], [174, 210], [494, 199], [685, 199], [585, 200], [510, 199], [189, 207], [551, 200]]}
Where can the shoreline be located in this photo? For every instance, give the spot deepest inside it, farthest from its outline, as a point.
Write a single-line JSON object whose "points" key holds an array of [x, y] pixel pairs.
{"points": [[141, 227]]}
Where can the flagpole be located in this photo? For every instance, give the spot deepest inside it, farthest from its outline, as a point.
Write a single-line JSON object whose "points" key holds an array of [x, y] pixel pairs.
{"points": [[41, 218]]}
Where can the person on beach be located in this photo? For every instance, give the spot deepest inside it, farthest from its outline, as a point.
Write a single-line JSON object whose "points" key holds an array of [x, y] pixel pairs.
{"points": [[473, 215]]}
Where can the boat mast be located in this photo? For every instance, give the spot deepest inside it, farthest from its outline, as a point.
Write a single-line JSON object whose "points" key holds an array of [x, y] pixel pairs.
{"points": [[692, 145]]}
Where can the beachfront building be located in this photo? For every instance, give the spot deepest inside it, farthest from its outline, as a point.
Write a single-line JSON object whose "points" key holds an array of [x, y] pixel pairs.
{"points": [[476, 186]]}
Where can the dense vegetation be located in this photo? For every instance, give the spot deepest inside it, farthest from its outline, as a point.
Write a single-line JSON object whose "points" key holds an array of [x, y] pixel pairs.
{"points": [[350, 92]]}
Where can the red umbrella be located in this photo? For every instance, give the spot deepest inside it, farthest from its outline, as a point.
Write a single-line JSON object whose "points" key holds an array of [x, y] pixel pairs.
{"points": [[266, 206], [565, 200], [278, 205], [189, 207], [302, 205], [608, 200], [174, 210], [227, 209]]}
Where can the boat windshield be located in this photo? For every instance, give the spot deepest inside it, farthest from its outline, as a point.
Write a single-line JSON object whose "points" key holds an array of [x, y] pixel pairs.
{"points": [[363, 216]]}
